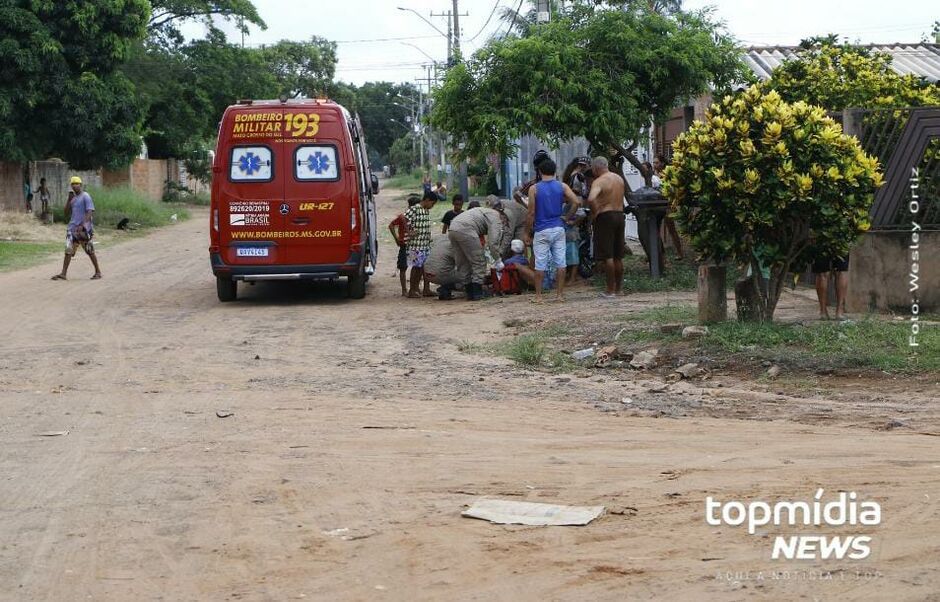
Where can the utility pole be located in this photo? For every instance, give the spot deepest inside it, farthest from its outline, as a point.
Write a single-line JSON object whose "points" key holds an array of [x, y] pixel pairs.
{"points": [[543, 11], [456, 30]]}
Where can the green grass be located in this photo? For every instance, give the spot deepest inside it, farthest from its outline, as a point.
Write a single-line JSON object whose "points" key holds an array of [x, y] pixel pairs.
{"points": [[665, 314], [410, 181], [114, 204], [678, 275], [528, 350], [868, 343], [532, 350], [15, 255]]}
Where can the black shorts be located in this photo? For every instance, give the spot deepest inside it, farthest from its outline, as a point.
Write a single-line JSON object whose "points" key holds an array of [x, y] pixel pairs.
{"points": [[609, 240], [402, 258], [835, 264]]}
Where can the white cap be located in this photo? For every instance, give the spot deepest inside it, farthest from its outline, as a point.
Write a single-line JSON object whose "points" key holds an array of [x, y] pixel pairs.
{"points": [[517, 246]]}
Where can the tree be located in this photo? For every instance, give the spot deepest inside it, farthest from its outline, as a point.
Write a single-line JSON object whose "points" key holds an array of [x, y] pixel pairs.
{"points": [[167, 16], [60, 93], [385, 110], [402, 155], [302, 68], [769, 184], [522, 24], [603, 77], [838, 77]]}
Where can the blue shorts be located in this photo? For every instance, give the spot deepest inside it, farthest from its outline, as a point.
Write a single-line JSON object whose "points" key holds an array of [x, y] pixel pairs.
{"points": [[572, 257], [417, 257], [549, 248]]}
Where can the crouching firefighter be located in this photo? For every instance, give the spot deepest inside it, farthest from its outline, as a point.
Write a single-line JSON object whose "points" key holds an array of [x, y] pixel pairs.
{"points": [[441, 269], [469, 232]]}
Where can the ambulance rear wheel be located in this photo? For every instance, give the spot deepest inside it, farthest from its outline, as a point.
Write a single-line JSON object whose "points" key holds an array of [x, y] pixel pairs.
{"points": [[226, 288], [357, 285]]}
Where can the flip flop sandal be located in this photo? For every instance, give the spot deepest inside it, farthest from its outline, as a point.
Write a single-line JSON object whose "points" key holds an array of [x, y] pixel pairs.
{"points": [[58, 277], [96, 277]]}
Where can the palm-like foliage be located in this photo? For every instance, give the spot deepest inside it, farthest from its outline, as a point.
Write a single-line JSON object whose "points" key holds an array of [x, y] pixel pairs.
{"points": [[521, 19]]}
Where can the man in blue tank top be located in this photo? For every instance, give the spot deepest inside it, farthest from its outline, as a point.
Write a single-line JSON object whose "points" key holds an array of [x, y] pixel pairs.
{"points": [[547, 221]]}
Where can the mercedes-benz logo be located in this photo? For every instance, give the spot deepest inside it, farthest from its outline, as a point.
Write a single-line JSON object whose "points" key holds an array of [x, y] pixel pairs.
{"points": [[285, 208]]}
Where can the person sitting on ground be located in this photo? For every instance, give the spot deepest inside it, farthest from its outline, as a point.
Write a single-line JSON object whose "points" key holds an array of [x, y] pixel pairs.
{"points": [[519, 262], [80, 230], [606, 203], [399, 229], [440, 189], [452, 213], [419, 243]]}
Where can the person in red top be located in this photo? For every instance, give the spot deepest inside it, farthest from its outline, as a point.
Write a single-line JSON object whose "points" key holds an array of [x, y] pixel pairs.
{"points": [[399, 229]]}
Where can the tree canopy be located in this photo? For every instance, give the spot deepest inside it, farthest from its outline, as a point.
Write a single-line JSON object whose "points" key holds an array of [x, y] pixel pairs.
{"points": [[836, 77], [601, 73], [167, 16], [60, 94]]}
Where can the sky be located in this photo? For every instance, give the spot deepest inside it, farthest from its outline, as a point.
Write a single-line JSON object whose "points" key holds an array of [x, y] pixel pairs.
{"points": [[378, 42]]}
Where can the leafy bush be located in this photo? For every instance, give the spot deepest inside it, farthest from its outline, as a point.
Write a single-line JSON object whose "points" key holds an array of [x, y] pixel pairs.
{"points": [[770, 185]]}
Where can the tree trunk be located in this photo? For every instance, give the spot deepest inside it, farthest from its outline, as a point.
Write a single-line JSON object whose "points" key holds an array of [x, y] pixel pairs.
{"points": [[712, 294], [746, 302]]}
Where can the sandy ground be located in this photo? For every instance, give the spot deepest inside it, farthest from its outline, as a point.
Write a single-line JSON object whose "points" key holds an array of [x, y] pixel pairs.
{"points": [[360, 433]]}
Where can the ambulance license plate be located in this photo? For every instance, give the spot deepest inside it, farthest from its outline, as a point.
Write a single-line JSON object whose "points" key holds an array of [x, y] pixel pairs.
{"points": [[251, 252]]}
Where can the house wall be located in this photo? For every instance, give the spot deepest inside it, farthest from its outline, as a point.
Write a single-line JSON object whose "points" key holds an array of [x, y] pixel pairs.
{"points": [[58, 174], [149, 176], [11, 187], [146, 176], [880, 273]]}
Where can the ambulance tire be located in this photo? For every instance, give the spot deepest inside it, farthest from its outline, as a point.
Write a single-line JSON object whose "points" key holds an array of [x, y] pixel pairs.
{"points": [[357, 285], [226, 288]]}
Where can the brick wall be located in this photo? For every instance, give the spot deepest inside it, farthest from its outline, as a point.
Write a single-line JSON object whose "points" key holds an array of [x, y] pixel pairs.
{"points": [[148, 176]]}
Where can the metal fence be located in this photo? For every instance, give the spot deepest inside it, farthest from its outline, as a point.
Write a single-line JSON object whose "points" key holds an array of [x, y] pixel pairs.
{"points": [[907, 144]]}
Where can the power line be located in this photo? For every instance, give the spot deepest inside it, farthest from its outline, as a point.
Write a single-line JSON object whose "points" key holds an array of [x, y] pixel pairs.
{"points": [[492, 12], [515, 17], [364, 41]]}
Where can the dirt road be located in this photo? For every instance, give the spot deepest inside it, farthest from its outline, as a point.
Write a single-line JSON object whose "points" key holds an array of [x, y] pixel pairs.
{"points": [[359, 434]]}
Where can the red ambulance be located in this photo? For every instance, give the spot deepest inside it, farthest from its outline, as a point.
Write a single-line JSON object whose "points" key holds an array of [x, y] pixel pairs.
{"points": [[292, 196]]}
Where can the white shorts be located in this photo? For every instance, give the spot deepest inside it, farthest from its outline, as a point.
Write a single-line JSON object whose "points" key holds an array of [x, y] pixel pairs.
{"points": [[549, 248]]}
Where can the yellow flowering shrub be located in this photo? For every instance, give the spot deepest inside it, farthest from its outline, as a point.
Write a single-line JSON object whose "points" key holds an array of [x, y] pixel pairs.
{"points": [[770, 184]]}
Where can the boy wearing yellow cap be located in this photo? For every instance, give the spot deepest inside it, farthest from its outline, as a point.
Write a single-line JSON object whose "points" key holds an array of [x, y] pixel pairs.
{"points": [[80, 229]]}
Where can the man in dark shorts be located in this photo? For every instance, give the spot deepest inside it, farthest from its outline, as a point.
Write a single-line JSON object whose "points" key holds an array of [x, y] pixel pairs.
{"points": [[606, 202], [821, 268], [399, 229]]}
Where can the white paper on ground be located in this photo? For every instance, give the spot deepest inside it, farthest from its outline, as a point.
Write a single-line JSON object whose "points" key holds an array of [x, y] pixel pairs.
{"points": [[505, 512]]}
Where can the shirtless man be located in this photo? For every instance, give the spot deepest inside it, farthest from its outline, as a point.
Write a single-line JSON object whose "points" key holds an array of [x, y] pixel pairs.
{"points": [[606, 202]]}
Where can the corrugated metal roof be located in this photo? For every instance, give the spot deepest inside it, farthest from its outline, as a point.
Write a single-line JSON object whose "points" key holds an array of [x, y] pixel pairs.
{"points": [[922, 60]]}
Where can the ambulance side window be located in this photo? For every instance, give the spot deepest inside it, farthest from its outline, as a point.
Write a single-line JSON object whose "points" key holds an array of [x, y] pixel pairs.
{"points": [[251, 164], [316, 162]]}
